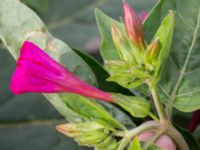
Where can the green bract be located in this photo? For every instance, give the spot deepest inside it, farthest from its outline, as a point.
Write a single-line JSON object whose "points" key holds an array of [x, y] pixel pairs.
{"points": [[136, 106]]}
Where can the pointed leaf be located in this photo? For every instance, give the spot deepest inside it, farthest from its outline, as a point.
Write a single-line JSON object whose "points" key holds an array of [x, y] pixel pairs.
{"points": [[108, 50]]}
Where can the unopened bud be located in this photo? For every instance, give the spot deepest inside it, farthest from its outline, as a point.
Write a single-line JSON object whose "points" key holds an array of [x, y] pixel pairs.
{"points": [[68, 129], [122, 44], [152, 52], [92, 137], [108, 144], [75, 129], [133, 26], [104, 143]]}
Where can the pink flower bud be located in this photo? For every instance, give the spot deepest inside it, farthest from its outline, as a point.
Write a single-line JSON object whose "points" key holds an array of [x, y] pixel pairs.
{"points": [[37, 72], [133, 26]]}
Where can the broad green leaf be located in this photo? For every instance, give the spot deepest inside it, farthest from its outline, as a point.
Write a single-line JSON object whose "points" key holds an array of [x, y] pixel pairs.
{"points": [[39, 5], [136, 106], [180, 78], [135, 145]]}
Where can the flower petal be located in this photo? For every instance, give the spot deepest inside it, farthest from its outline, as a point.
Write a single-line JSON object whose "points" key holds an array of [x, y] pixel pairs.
{"points": [[36, 71]]}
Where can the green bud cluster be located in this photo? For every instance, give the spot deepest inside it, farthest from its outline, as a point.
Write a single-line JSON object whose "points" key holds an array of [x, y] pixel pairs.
{"points": [[92, 133], [135, 65]]}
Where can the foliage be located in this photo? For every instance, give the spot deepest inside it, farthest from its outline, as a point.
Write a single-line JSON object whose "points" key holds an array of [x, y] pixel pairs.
{"points": [[164, 61]]}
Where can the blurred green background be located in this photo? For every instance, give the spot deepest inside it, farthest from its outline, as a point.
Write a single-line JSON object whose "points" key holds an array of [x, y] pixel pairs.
{"points": [[27, 122]]}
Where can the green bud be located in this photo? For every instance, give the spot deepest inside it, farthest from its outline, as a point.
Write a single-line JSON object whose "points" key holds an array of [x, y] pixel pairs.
{"points": [[104, 143], [123, 45], [152, 53], [128, 75], [92, 138], [75, 129], [138, 73], [108, 144]]}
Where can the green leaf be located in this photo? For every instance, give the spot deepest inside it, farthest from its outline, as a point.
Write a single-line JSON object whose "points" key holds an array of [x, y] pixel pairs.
{"points": [[136, 106], [39, 5], [108, 50], [180, 78], [89, 109], [135, 145], [165, 35]]}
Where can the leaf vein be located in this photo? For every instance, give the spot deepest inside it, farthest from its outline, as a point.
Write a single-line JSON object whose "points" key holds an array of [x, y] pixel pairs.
{"points": [[188, 93], [182, 73]]}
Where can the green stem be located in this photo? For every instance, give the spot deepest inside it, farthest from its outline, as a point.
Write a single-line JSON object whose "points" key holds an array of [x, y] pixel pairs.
{"points": [[123, 144], [178, 138], [153, 117], [140, 129], [158, 104], [129, 135]]}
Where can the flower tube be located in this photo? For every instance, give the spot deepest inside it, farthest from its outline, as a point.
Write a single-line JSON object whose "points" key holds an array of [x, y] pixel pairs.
{"points": [[37, 72]]}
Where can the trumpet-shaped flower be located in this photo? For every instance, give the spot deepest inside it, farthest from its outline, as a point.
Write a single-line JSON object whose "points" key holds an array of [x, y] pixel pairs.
{"points": [[36, 71], [133, 26]]}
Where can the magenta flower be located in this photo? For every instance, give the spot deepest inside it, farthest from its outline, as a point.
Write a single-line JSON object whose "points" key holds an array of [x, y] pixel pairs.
{"points": [[36, 71], [133, 26]]}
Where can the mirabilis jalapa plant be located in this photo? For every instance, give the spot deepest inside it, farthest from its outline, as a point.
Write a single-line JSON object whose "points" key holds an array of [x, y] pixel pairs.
{"points": [[134, 63]]}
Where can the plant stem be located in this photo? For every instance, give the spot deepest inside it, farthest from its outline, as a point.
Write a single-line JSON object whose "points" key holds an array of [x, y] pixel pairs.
{"points": [[123, 144], [178, 138], [140, 129], [153, 117], [129, 135], [158, 104]]}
